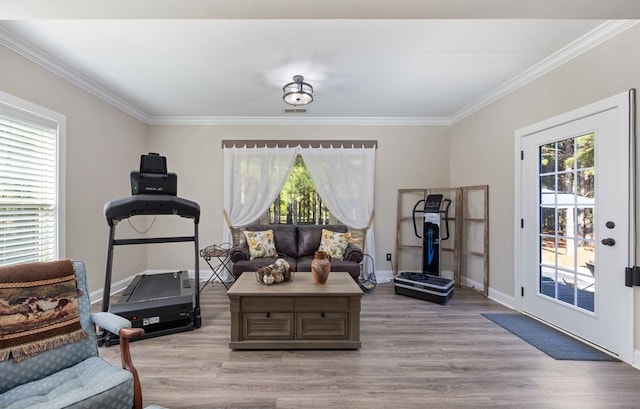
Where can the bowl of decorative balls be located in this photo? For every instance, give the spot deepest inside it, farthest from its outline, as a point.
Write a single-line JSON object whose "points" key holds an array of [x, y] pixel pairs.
{"points": [[276, 273]]}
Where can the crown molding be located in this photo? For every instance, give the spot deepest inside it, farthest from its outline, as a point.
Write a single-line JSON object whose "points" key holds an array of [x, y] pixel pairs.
{"points": [[588, 41], [597, 36], [50, 63], [265, 120]]}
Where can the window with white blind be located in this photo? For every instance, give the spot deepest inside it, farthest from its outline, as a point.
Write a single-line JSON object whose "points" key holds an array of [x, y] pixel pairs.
{"points": [[30, 206]]}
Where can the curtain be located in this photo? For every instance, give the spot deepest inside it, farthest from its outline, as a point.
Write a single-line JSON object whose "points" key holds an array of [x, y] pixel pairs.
{"points": [[344, 179], [253, 178]]}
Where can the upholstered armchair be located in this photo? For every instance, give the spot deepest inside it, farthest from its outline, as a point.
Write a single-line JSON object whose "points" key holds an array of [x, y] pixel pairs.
{"points": [[48, 349]]}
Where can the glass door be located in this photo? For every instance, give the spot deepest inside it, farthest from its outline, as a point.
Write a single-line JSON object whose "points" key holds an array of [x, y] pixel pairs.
{"points": [[574, 238]]}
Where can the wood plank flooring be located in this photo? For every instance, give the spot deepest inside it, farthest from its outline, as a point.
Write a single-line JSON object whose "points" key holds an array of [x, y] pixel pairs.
{"points": [[415, 354]]}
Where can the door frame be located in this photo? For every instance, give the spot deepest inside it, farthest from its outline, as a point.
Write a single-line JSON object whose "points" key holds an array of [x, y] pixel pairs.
{"points": [[623, 101]]}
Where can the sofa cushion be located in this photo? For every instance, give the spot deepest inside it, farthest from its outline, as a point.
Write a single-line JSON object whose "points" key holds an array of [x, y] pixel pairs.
{"points": [[285, 237], [309, 237], [304, 265], [334, 243], [92, 383], [261, 244]]}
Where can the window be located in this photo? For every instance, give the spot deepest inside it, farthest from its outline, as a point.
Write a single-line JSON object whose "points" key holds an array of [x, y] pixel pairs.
{"points": [[298, 201], [30, 182]]}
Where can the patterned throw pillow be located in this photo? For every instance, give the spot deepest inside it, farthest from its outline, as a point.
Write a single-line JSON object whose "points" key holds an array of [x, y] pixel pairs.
{"points": [[334, 243], [261, 244]]}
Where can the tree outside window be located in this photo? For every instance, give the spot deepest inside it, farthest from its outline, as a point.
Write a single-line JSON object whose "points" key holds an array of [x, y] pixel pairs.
{"points": [[298, 202]]}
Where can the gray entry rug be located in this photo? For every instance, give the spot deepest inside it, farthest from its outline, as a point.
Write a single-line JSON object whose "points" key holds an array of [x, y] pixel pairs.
{"points": [[547, 339]]}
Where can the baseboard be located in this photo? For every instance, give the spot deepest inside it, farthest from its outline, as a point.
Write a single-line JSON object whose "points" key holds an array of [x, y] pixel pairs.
{"points": [[384, 276], [96, 296], [636, 359], [501, 298], [474, 285], [494, 295]]}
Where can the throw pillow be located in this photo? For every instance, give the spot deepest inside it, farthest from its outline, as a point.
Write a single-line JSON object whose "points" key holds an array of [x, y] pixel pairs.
{"points": [[334, 243], [261, 244]]}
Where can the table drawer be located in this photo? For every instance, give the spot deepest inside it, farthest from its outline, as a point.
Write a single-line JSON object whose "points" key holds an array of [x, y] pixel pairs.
{"points": [[264, 304], [261, 325], [322, 325], [322, 304]]}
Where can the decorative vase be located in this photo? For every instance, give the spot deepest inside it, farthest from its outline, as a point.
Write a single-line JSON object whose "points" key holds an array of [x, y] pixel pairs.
{"points": [[320, 267]]}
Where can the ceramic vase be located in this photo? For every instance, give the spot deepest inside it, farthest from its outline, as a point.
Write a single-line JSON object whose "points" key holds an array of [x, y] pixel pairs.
{"points": [[320, 267]]}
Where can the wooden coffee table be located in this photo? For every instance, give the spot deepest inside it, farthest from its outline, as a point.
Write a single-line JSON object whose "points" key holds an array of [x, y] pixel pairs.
{"points": [[298, 314]]}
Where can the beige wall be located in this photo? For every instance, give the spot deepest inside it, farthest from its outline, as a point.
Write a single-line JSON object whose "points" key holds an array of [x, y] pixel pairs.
{"points": [[482, 145], [407, 157], [103, 144]]}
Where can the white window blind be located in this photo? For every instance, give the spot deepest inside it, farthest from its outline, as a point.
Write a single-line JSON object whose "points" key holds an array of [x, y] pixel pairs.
{"points": [[28, 190]]}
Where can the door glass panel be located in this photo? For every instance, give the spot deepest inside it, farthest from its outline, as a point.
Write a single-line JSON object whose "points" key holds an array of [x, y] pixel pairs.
{"points": [[566, 201], [585, 223], [548, 158], [585, 151], [548, 220]]}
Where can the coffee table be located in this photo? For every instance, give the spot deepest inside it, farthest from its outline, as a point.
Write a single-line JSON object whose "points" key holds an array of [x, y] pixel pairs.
{"points": [[298, 314]]}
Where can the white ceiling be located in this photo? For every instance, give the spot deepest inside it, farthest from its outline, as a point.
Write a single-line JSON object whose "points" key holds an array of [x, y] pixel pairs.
{"points": [[209, 70]]}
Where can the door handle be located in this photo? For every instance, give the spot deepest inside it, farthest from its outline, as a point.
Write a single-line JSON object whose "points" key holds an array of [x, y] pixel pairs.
{"points": [[608, 242]]}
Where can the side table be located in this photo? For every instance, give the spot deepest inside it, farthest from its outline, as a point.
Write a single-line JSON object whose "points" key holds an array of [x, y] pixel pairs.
{"points": [[219, 252]]}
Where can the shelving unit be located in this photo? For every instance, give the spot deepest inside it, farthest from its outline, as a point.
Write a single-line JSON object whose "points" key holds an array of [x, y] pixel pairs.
{"points": [[469, 242]]}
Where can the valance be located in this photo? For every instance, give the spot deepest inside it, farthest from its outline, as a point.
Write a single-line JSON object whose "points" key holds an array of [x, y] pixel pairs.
{"points": [[345, 144]]}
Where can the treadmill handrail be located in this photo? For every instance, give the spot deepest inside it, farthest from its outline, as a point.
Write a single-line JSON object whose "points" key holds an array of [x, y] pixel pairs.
{"points": [[150, 204], [152, 240]]}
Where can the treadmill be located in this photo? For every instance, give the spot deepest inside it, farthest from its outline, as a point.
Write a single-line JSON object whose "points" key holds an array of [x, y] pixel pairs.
{"points": [[162, 303]]}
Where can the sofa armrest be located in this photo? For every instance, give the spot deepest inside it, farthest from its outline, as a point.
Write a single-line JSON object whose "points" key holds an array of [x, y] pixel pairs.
{"points": [[122, 327], [239, 253], [353, 253], [111, 322]]}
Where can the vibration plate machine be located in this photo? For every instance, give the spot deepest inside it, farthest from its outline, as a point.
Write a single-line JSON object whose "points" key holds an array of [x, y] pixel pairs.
{"points": [[428, 285], [160, 303]]}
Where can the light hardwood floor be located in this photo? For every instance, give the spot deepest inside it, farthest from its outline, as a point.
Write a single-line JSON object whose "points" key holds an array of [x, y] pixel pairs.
{"points": [[415, 354]]}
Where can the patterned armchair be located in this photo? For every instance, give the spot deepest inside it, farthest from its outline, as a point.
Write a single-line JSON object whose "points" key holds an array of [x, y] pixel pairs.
{"points": [[64, 370]]}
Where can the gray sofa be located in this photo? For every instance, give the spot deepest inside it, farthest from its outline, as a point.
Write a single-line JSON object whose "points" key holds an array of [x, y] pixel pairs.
{"points": [[297, 245]]}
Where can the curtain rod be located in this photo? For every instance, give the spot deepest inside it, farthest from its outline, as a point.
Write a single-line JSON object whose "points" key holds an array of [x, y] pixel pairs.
{"points": [[304, 144]]}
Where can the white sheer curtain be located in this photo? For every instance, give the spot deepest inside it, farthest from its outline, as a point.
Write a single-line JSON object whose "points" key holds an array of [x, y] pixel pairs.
{"points": [[344, 178], [253, 178]]}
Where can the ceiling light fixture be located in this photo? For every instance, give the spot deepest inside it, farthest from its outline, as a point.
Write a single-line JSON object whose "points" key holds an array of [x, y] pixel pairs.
{"points": [[298, 92]]}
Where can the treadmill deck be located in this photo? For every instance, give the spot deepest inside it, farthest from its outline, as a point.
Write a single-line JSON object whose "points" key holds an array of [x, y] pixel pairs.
{"points": [[157, 301]]}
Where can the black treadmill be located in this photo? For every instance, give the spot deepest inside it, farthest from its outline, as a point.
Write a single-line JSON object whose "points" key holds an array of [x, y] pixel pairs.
{"points": [[160, 303]]}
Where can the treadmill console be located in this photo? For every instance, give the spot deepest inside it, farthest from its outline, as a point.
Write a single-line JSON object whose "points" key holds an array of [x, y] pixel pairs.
{"points": [[153, 177]]}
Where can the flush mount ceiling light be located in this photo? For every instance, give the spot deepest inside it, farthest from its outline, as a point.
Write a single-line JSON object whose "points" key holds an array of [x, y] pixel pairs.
{"points": [[298, 92]]}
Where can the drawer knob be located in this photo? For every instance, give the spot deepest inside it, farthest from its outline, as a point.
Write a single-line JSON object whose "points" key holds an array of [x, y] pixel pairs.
{"points": [[322, 315], [268, 314]]}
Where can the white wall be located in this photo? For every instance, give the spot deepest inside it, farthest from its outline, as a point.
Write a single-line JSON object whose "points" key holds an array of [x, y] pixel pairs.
{"points": [[407, 157], [103, 144], [482, 145]]}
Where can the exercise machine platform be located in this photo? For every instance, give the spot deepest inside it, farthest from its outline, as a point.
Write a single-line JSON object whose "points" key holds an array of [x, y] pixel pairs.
{"points": [[160, 303], [424, 286]]}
